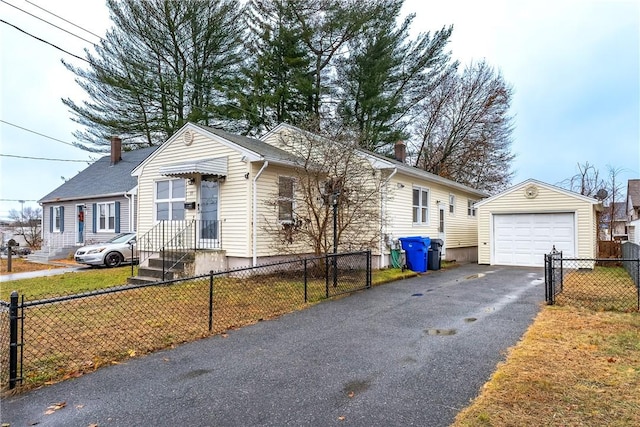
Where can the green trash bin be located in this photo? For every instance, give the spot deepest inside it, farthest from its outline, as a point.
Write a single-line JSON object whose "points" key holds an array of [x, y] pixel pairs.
{"points": [[396, 258]]}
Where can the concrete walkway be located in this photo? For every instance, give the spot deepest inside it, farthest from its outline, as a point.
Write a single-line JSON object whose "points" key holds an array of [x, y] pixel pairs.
{"points": [[413, 352], [54, 270]]}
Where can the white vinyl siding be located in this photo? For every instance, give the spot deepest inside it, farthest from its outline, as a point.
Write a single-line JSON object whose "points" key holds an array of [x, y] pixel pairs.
{"points": [[461, 231]]}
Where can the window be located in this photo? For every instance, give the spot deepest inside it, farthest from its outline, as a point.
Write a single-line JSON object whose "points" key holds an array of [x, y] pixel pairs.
{"points": [[170, 199], [471, 211], [106, 217], [452, 204], [285, 199], [57, 219], [420, 205]]}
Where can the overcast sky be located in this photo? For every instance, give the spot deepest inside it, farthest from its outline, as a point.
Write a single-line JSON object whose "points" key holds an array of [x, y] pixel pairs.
{"points": [[574, 67]]}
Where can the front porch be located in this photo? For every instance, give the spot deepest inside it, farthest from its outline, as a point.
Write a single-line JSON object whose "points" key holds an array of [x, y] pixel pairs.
{"points": [[179, 248]]}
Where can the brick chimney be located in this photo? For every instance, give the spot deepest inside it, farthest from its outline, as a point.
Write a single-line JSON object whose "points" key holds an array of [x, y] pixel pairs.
{"points": [[116, 150], [400, 151]]}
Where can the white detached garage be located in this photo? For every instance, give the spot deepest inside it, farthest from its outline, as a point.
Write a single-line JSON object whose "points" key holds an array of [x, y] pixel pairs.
{"points": [[521, 224]]}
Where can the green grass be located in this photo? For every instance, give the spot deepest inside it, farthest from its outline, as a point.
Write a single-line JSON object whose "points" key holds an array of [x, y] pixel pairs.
{"points": [[100, 278], [66, 283], [71, 338]]}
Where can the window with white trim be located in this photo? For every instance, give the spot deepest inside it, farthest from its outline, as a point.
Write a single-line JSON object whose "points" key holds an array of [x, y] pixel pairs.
{"points": [[57, 218], [170, 196], [420, 205], [106, 217], [285, 199], [452, 204], [471, 210]]}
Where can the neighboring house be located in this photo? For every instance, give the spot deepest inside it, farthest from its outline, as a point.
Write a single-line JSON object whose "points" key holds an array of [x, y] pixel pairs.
{"points": [[93, 206], [616, 229], [521, 224], [633, 210], [633, 199], [219, 183]]}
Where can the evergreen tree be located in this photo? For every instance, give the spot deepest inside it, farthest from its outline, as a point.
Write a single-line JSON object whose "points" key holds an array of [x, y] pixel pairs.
{"points": [[385, 76], [163, 63]]}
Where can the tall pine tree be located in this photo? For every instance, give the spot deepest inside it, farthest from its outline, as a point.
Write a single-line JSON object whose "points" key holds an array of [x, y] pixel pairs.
{"points": [[163, 63]]}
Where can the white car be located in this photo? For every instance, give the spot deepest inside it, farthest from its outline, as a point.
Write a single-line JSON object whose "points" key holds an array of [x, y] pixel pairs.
{"points": [[111, 253]]}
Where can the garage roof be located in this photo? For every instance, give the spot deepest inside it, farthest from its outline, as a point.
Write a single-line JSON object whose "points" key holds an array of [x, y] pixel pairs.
{"points": [[531, 181]]}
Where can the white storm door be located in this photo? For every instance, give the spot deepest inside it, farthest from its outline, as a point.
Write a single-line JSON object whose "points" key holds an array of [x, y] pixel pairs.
{"points": [[208, 227]]}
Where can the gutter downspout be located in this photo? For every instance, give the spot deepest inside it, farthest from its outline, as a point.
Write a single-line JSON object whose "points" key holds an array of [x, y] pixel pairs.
{"points": [[383, 200], [255, 212], [132, 228]]}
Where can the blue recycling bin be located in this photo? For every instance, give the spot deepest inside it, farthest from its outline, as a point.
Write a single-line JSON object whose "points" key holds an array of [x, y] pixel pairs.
{"points": [[416, 248]]}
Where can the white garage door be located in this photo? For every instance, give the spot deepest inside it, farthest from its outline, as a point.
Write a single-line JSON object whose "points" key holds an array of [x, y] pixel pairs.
{"points": [[523, 239]]}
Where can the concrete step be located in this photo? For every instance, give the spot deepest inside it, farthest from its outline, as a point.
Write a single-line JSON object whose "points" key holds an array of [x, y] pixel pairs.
{"points": [[156, 273], [141, 280], [156, 263]]}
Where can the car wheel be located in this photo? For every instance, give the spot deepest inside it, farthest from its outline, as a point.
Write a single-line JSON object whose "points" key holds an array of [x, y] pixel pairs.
{"points": [[113, 259]]}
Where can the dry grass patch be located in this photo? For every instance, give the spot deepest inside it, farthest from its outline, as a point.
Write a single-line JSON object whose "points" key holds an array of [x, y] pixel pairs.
{"points": [[603, 288], [572, 368], [21, 265], [68, 338]]}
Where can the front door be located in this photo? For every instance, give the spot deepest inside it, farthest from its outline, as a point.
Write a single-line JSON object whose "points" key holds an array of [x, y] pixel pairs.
{"points": [[208, 213], [80, 217]]}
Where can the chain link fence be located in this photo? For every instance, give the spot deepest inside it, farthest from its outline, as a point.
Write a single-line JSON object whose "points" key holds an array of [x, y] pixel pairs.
{"points": [[66, 336], [597, 284]]}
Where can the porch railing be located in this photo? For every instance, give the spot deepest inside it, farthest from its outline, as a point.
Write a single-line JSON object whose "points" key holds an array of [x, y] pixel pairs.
{"points": [[54, 241], [175, 241]]}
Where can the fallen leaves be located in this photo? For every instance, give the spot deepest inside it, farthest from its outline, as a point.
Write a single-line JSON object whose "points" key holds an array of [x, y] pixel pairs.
{"points": [[56, 406]]}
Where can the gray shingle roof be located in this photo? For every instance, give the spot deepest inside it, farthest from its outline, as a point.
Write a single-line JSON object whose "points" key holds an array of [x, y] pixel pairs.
{"points": [[102, 179], [269, 152], [633, 191]]}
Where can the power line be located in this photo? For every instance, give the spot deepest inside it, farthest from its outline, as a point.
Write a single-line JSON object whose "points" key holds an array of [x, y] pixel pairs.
{"points": [[65, 20], [45, 21], [116, 72], [38, 133], [46, 42], [44, 158], [50, 137], [151, 89]]}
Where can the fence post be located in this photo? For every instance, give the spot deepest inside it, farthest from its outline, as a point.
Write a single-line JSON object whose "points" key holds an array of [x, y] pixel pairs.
{"points": [[326, 276], [546, 279], [163, 250], [368, 269], [305, 281], [13, 340], [638, 281], [210, 300]]}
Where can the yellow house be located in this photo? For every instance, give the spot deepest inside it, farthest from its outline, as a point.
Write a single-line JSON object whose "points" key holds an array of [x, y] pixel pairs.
{"points": [[208, 189], [528, 220]]}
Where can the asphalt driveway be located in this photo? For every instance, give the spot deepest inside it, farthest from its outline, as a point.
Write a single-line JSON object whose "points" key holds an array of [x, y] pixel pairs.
{"points": [[413, 352]]}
